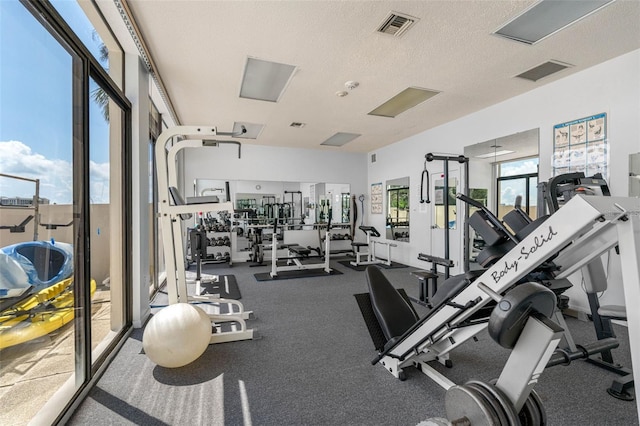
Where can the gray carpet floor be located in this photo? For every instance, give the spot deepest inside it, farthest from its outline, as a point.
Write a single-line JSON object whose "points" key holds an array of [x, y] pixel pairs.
{"points": [[311, 366]]}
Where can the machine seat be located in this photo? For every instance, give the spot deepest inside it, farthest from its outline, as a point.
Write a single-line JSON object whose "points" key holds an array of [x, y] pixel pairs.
{"points": [[299, 250], [394, 314]]}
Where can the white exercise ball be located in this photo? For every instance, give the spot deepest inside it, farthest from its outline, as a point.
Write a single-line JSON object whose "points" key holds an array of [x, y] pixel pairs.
{"points": [[177, 335]]}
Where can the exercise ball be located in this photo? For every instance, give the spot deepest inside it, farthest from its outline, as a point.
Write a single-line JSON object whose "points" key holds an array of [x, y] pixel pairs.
{"points": [[177, 335]]}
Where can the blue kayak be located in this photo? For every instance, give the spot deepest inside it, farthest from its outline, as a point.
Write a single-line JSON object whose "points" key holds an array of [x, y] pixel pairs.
{"points": [[37, 264]]}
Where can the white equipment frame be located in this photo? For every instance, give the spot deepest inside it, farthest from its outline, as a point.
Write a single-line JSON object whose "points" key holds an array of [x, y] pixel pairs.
{"points": [[370, 254], [293, 261], [582, 230], [172, 230]]}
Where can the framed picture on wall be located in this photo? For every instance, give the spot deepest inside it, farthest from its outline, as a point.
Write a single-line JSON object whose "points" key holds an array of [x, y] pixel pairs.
{"points": [[376, 198]]}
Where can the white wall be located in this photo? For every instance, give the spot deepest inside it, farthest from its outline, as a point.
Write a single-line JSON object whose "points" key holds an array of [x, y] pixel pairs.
{"points": [[612, 87]]}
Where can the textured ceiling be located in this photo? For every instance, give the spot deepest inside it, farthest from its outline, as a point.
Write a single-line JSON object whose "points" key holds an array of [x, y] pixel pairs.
{"points": [[200, 49]]}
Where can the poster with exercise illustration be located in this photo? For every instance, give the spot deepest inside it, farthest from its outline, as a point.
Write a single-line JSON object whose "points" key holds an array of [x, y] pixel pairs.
{"points": [[376, 198], [581, 146]]}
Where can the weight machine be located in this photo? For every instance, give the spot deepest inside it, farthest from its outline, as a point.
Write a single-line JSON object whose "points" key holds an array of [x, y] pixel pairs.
{"points": [[581, 231], [429, 279], [370, 255], [173, 210], [551, 196]]}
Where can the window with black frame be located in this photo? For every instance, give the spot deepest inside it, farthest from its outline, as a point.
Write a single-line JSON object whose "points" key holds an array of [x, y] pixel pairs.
{"points": [[517, 178]]}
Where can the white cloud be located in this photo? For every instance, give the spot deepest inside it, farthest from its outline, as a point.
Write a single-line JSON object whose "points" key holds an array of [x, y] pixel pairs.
{"points": [[55, 175]]}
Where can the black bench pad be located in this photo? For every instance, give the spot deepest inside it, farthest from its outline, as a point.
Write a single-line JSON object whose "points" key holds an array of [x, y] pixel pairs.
{"points": [[302, 251], [395, 315]]}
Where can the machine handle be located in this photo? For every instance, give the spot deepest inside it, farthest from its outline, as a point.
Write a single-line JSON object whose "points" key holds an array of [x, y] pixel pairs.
{"points": [[422, 200]]}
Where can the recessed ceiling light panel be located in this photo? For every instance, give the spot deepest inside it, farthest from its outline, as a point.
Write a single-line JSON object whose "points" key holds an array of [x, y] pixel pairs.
{"points": [[340, 139], [265, 80], [543, 70], [403, 101], [548, 17]]}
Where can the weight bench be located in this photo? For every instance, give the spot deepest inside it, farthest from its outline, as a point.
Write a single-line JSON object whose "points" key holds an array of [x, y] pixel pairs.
{"points": [[369, 256], [295, 253]]}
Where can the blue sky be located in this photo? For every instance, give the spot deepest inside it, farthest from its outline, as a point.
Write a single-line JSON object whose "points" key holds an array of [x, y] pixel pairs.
{"points": [[36, 106]]}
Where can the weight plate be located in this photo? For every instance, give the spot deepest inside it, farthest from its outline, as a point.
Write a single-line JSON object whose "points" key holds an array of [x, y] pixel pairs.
{"points": [[507, 407], [541, 410], [462, 402], [529, 415], [491, 401], [510, 315]]}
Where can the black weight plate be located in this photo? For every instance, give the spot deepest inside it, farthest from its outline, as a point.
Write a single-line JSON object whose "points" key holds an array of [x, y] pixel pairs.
{"points": [[491, 401], [505, 403], [529, 415], [510, 315], [462, 402], [541, 410]]}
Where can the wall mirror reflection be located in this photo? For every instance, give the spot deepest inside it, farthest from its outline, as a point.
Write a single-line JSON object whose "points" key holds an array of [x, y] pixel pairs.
{"points": [[500, 171], [397, 225], [299, 206]]}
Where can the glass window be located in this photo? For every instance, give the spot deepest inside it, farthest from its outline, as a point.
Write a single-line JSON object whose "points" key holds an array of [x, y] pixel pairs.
{"points": [[73, 14], [36, 155], [518, 178], [518, 167], [105, 176], [49, 165]]}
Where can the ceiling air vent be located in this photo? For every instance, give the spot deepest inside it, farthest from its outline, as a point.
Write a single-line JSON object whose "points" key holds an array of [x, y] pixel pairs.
{"points": [[396, 24], [543, 70]]}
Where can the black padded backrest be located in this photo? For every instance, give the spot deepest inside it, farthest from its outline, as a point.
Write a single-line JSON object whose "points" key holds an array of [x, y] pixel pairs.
{"points": [[524, 232], [371, 230], [450, 288], [516, 220], [393, 312], [492, 235]]}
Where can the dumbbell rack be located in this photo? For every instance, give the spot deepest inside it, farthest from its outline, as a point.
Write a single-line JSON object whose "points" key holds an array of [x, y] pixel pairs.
{"points": [[218, 242], [340, 235]]}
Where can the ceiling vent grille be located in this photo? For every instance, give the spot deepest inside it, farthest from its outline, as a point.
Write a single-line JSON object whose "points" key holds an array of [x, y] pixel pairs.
{"points": [[543, 70], [396, 24]]}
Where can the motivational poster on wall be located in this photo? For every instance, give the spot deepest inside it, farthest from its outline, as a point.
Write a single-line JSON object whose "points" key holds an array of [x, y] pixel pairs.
{"points": [[581, 146], [376, 198]]}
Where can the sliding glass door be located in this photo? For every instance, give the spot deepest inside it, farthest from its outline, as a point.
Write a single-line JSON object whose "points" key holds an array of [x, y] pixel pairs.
{"points": [[63, 180]]}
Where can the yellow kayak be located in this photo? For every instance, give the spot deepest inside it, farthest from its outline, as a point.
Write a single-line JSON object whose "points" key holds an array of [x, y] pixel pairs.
{"points": [[38, 315]]}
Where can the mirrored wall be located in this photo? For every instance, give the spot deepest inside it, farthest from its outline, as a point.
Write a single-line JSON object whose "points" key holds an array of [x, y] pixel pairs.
{"points": [[259, 203], [500, 170], [397, 209]]}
